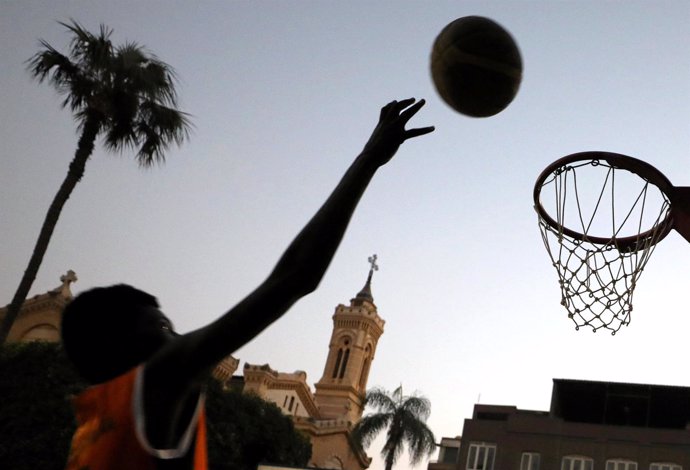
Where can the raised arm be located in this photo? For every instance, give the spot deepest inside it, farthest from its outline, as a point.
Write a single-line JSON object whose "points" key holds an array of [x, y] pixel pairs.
{"points": [[302, 266], [308, 256], [173, 376]]}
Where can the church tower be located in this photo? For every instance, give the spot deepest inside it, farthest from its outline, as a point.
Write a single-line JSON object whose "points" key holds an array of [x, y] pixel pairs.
{"points": [[356, 331]]}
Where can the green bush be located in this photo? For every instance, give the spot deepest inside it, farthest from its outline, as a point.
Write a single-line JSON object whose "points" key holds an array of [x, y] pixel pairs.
{"points": [[245, 430], [36, 421], [37, 383]]}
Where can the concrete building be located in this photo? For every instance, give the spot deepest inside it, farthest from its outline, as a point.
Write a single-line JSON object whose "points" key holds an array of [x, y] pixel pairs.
{"points": [[448, 454], [590, 426]]}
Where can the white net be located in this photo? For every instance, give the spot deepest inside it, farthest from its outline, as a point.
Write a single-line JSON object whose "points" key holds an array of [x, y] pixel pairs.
{"points": [[608, 221]]}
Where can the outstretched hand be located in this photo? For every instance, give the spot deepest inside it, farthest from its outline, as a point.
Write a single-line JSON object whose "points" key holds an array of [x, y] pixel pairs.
{"points": [[390, 131]]}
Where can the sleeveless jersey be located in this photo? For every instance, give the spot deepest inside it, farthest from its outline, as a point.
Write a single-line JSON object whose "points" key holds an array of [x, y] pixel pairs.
{"points": [[110, 431]]}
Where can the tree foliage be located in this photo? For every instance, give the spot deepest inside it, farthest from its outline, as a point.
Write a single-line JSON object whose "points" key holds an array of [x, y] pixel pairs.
{"points": [[403, 418], [125, 90], [122, 93], [37, 382], [247, 430], [36, 419]]}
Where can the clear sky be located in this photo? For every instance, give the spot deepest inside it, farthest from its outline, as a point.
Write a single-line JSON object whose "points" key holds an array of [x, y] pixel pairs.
{"points": [[283, 96]]}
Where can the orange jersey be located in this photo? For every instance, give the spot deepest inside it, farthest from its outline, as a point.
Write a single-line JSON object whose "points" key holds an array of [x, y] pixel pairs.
{"points": [[110, 429]]}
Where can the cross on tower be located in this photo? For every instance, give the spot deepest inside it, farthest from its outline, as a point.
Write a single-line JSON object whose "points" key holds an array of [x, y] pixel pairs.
{"points": [[372, 261], [66, 279]]}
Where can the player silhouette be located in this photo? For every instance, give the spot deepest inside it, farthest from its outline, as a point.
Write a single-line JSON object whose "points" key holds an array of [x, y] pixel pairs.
{"points": [[145, 409]]}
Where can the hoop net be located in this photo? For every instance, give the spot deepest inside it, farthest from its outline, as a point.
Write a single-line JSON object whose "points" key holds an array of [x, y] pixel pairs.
{"points": [[607, 223]]}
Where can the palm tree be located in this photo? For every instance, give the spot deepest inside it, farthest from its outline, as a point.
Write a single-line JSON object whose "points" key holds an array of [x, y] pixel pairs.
{"points": [[405, 417], [123, 94]]}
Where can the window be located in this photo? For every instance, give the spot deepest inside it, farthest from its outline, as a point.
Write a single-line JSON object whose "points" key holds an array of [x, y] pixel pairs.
{"points": [[576, 463], [343, 355], [365, 368], [448, 455], [665, 466], [620, 464], [337, 363], [530, 461], [449, 451], [481, 456], [342, 369]]}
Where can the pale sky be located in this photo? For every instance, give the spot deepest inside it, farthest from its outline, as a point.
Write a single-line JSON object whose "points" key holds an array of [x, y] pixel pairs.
{"points": [[283, 96]]}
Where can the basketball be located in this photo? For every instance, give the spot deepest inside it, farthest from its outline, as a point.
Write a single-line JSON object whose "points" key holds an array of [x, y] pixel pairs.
{"points": [[476, 66]]}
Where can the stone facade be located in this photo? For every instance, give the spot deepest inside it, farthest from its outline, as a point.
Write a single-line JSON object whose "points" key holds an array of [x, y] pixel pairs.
{"points": [[356, 331], [39, 317], [328, 415]]}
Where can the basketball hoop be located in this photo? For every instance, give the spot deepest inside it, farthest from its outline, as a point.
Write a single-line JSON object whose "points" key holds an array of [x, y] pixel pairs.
{"points": [[604, 216]]}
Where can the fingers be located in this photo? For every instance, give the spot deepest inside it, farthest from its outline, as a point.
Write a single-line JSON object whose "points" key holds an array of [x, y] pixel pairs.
{"points": [[404, 103], [395, 107], [407, 114], [402, 111], [412, 110], [411, 133]]}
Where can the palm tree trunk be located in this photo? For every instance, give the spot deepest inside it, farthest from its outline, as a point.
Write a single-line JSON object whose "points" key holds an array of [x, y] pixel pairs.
{"points": [[74, 174]]}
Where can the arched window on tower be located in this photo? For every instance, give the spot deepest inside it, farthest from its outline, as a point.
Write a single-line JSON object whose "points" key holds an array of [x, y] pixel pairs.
{"points": [[337, 363], [365, 368], [341, 359], [344, 365]]}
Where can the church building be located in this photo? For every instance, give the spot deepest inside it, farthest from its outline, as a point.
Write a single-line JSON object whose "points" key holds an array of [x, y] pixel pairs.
{"points": [[328, 414], [39, 317]]}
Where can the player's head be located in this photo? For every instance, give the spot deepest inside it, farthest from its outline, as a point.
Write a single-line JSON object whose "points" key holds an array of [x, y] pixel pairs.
{"points": [[108, 330]]}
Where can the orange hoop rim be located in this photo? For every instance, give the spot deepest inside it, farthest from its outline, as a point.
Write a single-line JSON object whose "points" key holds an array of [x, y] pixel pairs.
{"points": [[616, 160]]}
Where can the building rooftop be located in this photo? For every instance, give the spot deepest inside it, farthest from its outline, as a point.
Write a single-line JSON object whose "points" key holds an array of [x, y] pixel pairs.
{"points": [[615, 403]]}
